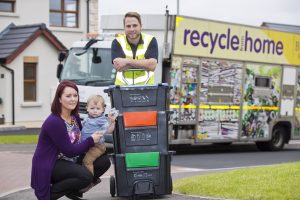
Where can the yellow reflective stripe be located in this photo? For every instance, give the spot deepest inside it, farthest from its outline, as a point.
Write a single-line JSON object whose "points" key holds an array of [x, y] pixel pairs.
{"points": [[182, 106], [227, 107], [138, 80], [219, 107], [260, 108], [174, 106], [234, 107], [141, 51], [204, 106], [298, 108], [122, 41]]}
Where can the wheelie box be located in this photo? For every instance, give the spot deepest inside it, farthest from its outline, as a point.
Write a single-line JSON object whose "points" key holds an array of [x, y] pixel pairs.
{"points": [[141, 158]]}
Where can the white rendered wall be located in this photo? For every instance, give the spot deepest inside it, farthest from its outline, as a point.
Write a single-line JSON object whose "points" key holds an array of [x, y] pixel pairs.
{"points": [[37, 11], [33, 112]]}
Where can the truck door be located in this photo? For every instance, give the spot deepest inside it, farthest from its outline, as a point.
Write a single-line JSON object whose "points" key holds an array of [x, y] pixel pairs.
{"points": [[262, 89], [219, 99], [288, 92], [296, 132]]}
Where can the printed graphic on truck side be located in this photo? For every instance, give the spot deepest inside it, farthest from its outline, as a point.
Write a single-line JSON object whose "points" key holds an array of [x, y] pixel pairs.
{"points": [[261, 99]]}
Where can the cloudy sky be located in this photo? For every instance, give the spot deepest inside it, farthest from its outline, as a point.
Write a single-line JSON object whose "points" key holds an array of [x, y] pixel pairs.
{"points": [[248, 12]]}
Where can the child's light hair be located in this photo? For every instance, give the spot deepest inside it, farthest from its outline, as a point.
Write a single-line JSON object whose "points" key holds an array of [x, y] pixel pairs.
{"points": [[95, 99]]}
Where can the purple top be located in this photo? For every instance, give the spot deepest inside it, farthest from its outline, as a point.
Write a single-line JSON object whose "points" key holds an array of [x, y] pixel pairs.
{"points": [[53, 139]]}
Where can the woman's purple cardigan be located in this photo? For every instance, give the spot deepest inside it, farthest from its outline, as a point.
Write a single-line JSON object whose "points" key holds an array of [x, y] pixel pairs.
{"points": [[53, 139]]}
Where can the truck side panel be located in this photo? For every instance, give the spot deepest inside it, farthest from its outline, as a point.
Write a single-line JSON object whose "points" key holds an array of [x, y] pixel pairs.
{"points": [[296, 131], [219, 98], [261, 100]]}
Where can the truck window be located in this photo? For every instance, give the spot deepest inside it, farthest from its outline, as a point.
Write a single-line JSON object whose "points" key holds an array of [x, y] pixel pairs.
{"points": [[262, 82], [82, 70], [262, 87]]}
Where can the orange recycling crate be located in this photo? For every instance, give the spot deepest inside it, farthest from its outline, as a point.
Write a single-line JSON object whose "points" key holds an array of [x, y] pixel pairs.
{"points": [[145, 118]]}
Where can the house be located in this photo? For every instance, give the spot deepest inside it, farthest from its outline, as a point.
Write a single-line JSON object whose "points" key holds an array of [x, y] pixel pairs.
{"points": [[31, 35], [28, 60], [68, 20]]}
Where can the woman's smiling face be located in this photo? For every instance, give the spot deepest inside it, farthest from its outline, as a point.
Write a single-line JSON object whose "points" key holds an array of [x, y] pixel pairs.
{"points": [[69, 99]]}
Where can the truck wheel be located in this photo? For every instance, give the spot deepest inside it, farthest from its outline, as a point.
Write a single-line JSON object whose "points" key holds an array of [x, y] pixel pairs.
{"points": [[276, 143], [112, 186]]}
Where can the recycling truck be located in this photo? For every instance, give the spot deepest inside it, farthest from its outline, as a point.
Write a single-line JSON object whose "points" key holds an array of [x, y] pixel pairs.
{"points": [[230, 82]]}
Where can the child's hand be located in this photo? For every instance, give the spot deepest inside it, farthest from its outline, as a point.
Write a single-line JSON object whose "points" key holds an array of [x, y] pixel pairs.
{"points": [[113, 114], [111, 118], [97, 136]]}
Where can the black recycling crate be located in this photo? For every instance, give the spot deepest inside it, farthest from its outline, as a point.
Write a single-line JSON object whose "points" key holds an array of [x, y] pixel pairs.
{"points": [[141, 181], [140, 136], [144, 138], [138, 97]]}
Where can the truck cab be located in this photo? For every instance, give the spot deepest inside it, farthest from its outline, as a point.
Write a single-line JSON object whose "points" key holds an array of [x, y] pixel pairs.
{"points": [[88, 64]]}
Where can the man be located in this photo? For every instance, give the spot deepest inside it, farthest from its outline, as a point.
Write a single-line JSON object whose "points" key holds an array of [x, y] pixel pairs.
{"points": [[135, 54]]}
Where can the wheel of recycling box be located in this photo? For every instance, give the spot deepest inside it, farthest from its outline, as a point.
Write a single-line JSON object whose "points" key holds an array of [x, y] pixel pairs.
{"points": [[112, 186]]}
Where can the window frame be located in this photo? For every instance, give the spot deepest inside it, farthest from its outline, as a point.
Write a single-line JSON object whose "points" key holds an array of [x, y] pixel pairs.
{"points": [[12, 3], [258, 79], [30, 81], [63, 12]]}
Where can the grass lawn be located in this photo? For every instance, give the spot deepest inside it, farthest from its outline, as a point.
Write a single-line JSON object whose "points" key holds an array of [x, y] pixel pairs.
{"points": [[276, 182], [18, 139]]}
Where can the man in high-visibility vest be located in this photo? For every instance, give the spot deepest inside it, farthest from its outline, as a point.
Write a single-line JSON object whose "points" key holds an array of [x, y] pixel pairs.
{"points": [[134, 54]]}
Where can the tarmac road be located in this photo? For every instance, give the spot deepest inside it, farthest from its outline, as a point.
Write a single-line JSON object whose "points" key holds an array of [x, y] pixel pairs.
{"points": [[15, 176], [16, 165]]}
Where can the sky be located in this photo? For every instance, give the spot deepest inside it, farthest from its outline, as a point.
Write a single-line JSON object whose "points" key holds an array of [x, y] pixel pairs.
{"points": [[246, 12]]}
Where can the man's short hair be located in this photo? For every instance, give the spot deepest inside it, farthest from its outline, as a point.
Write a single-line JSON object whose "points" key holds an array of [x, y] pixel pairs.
{"points": [[133, 14]]}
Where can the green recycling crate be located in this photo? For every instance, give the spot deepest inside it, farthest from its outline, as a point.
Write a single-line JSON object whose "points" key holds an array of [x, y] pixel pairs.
{"points": [[140, 160]]}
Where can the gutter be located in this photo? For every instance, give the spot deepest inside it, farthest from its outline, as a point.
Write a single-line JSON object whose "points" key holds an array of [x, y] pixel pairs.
{"points": [[88, 16], [12, 91], [166, 46]]}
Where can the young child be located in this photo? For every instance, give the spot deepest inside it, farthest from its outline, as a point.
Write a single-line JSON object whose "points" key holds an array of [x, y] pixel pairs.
{"points": [[96, 121]]}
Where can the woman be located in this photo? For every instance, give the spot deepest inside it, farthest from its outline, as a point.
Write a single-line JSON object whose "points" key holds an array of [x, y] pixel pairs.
{"points": [[56, 169]]}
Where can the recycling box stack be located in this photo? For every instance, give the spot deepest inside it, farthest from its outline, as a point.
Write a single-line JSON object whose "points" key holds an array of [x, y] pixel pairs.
{"points": [[141, 157]]}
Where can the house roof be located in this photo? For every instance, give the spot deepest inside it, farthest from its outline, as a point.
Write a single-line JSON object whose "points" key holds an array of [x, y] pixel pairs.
{"points": [[14, 39], [282, 27]]}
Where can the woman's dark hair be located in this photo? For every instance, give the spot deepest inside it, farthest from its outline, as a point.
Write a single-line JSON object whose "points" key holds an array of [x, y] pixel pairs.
{"points": [[56, 105]]}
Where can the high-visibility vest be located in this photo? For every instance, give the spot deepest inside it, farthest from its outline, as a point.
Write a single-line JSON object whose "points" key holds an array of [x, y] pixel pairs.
{"points": [[135, 77]]}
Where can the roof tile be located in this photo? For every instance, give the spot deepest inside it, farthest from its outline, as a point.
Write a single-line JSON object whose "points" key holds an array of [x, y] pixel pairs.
{"points": [[14, 39]]}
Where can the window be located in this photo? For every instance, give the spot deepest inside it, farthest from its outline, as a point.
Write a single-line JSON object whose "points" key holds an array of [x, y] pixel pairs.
{"points": [[262, 87], [262, 82], [30, 81], [64, 13], [7, 5]]}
